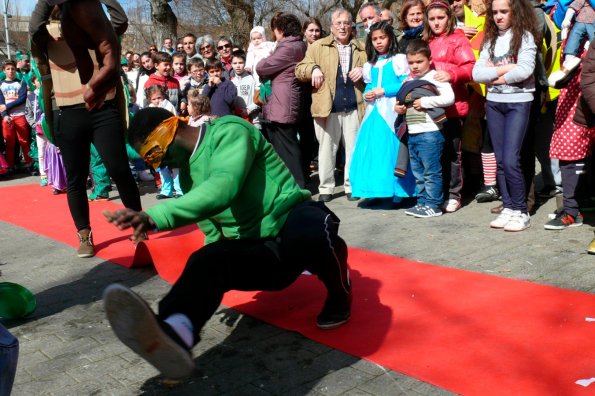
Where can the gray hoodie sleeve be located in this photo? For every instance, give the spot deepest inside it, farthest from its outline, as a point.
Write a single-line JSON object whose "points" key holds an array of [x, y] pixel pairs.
{"points": [[481, 73], [525, 65]]}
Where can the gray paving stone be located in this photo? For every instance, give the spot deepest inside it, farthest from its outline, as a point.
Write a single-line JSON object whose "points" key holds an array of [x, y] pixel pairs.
{"points": [[390, 383], [340, 381]]}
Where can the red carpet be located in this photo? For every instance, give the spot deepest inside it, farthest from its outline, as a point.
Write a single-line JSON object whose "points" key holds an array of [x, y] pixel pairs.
{"points": [[469, 333]]}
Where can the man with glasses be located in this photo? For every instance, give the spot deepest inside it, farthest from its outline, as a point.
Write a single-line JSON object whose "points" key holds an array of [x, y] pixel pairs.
{"points": [[262, 231], [333, 65]]}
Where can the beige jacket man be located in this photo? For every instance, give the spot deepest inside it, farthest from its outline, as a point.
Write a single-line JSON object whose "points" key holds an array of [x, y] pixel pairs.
{"points": [[320, 67]]}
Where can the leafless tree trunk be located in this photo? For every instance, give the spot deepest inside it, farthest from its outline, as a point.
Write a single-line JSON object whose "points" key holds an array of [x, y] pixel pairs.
{"points": [[165, 22], [241, 15]]}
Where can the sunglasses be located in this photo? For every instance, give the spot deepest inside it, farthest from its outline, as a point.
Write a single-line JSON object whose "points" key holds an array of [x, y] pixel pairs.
{"points": [[205, 47], [224, 46]]}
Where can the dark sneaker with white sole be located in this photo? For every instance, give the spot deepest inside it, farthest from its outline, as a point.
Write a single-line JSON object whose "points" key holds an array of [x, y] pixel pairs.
{"points": [[423, 211], [488, 194], [564, 220], [135, 324], [334, 313]]}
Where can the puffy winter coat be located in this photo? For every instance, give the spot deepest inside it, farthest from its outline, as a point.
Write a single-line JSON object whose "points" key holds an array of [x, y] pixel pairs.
{"points": [[453, 54]]}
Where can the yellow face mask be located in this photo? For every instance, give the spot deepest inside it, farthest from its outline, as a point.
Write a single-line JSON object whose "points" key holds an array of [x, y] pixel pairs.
{"points": [[155, 145]]}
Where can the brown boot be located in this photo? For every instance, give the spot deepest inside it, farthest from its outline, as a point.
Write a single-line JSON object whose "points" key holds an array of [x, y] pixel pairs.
{"points": [[86, 248], [497, 209]]}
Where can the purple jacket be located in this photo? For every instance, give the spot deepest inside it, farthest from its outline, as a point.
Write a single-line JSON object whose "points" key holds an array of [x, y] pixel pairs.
{"points": [[285, 102]]}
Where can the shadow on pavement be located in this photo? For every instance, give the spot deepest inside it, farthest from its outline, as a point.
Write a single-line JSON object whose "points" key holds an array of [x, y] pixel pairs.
{"points": [[254, 359], [82, 291]]}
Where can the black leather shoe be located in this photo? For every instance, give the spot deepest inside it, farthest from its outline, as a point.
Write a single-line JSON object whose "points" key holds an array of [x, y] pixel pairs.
{"points": [[351, 198], [325, 197]]}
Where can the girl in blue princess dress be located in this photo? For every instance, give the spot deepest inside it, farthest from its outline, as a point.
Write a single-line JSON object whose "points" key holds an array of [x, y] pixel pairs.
{"points": [[377, 146]]}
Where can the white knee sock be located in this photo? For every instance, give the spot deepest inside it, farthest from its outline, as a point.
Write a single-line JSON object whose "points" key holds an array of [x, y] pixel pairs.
{"points": [[183, 327]]}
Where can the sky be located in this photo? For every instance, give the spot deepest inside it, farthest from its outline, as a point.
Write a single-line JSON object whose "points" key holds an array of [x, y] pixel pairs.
{"points": [[25, 6]]}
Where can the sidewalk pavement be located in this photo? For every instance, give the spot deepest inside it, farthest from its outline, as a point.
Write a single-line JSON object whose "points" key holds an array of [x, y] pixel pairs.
{"points": [[67, 347]]}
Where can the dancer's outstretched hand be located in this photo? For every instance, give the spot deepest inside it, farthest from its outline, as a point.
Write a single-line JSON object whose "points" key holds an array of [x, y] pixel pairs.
{"points": [[128, 218]]}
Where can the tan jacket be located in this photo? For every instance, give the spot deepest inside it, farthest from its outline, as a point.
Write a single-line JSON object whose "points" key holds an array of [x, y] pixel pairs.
{"points": [[324, 54]]}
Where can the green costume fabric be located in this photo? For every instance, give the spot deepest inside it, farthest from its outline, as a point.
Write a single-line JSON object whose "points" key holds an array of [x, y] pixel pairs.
{"points": [[235, 186], [33, 151], [132, 154], [100, 177]]}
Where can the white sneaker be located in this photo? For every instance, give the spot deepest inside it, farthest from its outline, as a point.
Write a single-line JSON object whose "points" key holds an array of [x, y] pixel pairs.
{"points": [[502, 219], [518, 222], [135, 324], [451, 206]]}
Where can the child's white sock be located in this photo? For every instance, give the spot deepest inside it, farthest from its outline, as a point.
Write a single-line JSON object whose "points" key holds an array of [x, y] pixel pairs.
{"points": [[183, 327]]}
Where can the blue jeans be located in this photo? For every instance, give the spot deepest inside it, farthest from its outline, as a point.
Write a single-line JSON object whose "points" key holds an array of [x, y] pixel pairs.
{"points": [[507, 125], [170, 181], [9, 356], [577, 35], [425, 153]]}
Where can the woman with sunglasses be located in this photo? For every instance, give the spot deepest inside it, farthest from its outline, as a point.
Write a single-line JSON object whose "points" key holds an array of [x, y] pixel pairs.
{"points": [[224, 48]]}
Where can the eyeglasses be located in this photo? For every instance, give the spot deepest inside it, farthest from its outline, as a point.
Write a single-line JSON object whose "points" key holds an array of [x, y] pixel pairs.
{"points": [[224, 46], [341, 24], [205, 47], [197, 71]]}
